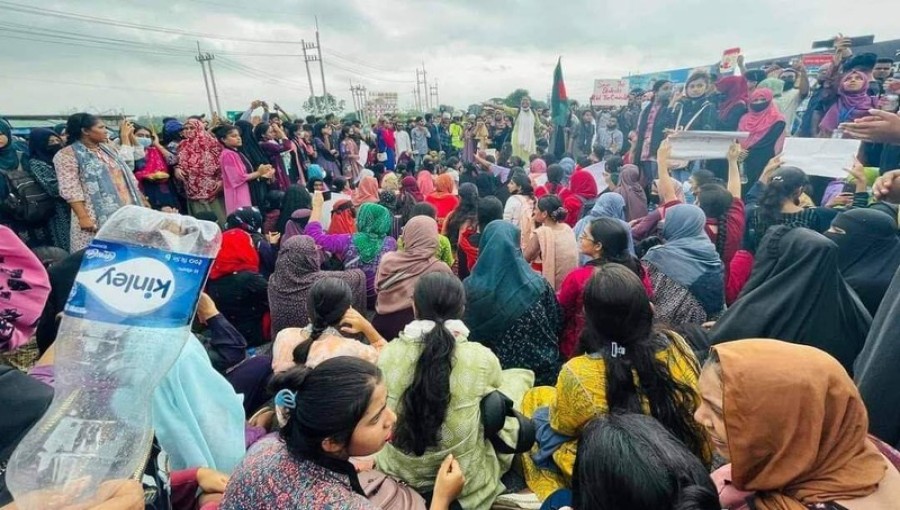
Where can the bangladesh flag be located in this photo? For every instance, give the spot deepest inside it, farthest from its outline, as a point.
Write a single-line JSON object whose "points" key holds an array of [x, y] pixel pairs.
{"points": [[559, 100]]}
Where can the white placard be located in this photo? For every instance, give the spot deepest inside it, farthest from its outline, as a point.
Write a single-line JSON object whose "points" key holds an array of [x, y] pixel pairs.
{"points": [[610, 93], [597, 170], [697, 145], [825, 157]]}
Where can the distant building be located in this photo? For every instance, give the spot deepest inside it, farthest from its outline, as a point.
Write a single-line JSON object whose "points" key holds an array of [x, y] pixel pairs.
{"points": [[379, 104]]}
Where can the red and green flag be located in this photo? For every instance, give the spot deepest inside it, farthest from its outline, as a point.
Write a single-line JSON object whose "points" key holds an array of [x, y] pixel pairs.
{"points": [[559, 100]]}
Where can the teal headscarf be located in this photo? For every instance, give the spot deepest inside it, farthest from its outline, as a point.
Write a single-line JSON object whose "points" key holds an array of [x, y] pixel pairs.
{"points": [[9, 158], [373, 224]]}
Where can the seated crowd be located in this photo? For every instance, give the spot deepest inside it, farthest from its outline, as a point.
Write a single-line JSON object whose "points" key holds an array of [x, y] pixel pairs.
{"points": [[460, 328]]}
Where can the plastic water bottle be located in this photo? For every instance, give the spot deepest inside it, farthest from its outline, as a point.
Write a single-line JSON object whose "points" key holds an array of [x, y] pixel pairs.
{"points": [[124, 324]]}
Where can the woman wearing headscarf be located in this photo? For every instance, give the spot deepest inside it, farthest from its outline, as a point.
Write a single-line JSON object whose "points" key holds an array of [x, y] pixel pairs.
{"points": [[366, 192], [425, 181], [43, 144], [609, 205], [326, 154], [399, 272], [734, 96], [250, 220], [629, 187], [568, 165], [443, 199], [200, 170], [695, 111], [274, 143], [350, 154], [512, 309], [408, 198], [238, 288], [579, 197], [767, 128], [796, 293], [686, 271], [362, 249], [391, 182], [876, 371], [853, 102], [95, 181], [296, 270], [296, 198], [868, 252], [793, 428], [389, 201], [255, 160]]}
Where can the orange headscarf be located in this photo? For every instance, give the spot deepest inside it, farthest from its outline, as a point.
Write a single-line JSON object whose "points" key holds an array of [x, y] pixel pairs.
{"points": [[443, 184], [366, 192], [797, 427]]}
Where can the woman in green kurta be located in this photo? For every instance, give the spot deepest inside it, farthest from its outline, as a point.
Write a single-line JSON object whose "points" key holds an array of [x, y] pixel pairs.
{"points": [[433, 352]]}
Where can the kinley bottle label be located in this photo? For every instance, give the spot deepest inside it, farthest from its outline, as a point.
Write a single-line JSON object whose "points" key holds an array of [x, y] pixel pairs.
{"points": [[137, 286]]}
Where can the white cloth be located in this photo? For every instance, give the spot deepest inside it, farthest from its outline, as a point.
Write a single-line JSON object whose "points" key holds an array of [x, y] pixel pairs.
{"points": [[363, 153], [417, 329], [525, 130], [328, 206], [787, 104]]}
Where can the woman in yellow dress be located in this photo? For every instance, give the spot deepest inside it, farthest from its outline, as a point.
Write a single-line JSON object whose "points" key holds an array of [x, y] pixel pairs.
{"points": [[625, 365]]}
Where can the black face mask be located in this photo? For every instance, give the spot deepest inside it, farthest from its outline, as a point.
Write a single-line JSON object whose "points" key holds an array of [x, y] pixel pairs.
{"points": [[788, 85], [758, 107], [653, 199]]}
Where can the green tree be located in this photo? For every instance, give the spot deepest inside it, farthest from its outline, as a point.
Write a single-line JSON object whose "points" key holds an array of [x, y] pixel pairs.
{"points": [[323, 105], [515, 98]]}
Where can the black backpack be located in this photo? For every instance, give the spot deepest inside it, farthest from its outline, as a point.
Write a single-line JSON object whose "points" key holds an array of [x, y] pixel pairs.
{"points": [[25, 199]]}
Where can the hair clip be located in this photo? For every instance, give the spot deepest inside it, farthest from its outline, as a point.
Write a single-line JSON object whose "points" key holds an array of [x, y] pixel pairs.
{"points": [[616, 350], [286, 399], [777, 178]]}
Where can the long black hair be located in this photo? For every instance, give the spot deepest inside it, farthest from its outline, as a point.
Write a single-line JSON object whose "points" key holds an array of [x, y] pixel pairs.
{"points": [[76, 123], [555, 176], [553, 206], [342, 385], [716, 202], [249, 146], [632, 461], [619, 327], [466, 211], [438, 297], [327, 302], [518, 176], [296, 197], [783, 185], [613, 237]]}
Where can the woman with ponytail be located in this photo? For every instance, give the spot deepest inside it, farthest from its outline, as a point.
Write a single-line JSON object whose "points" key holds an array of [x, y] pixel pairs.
{"points": [[624, 365], [552, 248], [308, 465], [628, 461], [436, 379], [331, 316], [604, 240]]}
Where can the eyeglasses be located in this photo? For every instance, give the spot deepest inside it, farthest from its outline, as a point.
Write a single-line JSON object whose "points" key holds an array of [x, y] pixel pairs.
{"points": [[586, 237]]}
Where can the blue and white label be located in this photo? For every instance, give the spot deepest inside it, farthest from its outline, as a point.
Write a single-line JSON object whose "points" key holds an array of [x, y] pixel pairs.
{"points": [[137, 286]]}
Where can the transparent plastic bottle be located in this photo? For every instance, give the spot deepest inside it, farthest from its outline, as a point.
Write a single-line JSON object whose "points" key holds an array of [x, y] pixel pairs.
{"points": [[125, 322]]}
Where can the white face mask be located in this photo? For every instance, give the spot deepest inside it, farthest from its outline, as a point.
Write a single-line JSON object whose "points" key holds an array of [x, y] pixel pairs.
{"points": [[145, 142]]}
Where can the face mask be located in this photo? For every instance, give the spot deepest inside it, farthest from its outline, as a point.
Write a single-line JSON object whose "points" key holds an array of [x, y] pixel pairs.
{"points": [[788, 85], [53, 149], [758, 107], [145, 142], [837, 238], [664, 96]]}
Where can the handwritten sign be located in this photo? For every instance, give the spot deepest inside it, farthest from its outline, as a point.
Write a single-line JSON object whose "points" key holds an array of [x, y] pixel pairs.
{"points": [[610, 93], [815, 62], [826, 157], [729, 61], [697, 145]]}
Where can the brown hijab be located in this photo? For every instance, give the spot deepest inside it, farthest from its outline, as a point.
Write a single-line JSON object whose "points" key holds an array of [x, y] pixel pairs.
{"points": [[797, 427], [631, 190], [399, 271]]}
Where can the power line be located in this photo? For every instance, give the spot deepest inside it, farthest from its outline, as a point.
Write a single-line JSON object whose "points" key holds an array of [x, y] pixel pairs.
{"points": [[124, 24], [94, 85]]}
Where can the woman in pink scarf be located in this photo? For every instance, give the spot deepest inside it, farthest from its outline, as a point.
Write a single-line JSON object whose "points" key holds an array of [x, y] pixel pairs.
{"points": [[426, 182], [766, 126], [853, 102], [366, 192], [24, 289]]}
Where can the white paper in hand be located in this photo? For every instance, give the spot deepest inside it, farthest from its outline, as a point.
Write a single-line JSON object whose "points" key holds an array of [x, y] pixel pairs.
{"points": [[825, 157], [700, 145]]}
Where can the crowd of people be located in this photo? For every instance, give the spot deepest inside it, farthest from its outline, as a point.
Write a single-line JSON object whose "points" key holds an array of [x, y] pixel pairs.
{"points": [[496, 311]]}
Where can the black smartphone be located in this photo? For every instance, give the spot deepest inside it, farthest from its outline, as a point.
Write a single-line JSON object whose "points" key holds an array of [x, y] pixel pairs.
{"points": [[326, 195]]}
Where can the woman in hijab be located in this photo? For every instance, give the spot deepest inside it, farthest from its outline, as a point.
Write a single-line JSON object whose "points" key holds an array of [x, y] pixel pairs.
{"points": [[876, 371], [868, 252], [253, 153], [582, 192], [766, 125], [296, 198], [366, 192], [568, 165], [629, 186], [250, 220], [734, 96], [200, 169], [794, 438], [399, 272], [296, 270], [274, 142], [796, 293], [96, 182], [443, 199], [391, 182], [686, 271], [487, 184], [425, 180], [363, 249], [43, 144], [853, 102], [609, 205], [409, 197], [343, 218], [238, 288], [388, 200], [511, 309]]}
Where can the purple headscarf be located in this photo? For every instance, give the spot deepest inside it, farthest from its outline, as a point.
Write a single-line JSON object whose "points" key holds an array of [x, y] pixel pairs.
{"points": [[850, 105]]}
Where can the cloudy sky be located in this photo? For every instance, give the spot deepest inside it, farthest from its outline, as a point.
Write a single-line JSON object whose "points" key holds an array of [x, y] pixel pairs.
{"points": [[475, 49]]}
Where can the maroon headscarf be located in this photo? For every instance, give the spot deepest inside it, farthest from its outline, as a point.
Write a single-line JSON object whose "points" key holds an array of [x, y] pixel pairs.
{"points": [[734, 92]]}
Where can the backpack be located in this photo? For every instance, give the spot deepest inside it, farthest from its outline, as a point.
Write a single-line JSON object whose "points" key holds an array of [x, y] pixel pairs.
{"points": [[26, 200]]}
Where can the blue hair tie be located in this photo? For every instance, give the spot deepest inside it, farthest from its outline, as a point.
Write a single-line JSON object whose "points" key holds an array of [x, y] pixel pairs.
{"points": [[286, 399]]}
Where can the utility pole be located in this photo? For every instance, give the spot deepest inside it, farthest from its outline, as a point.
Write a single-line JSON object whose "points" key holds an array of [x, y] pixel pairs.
{"points": [[212, 78], [359, 101], [307, 58], [418, 91], [428, 104], [415, 105], [353, 95], [202, 59], [321, 62], [433, 92]]}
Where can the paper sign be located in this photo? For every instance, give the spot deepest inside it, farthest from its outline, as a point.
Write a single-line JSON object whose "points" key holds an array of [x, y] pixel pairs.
{"points": [[698, 145], [610, 93], [729, 61], [815, 62], [598, 170], [825, 157]]}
